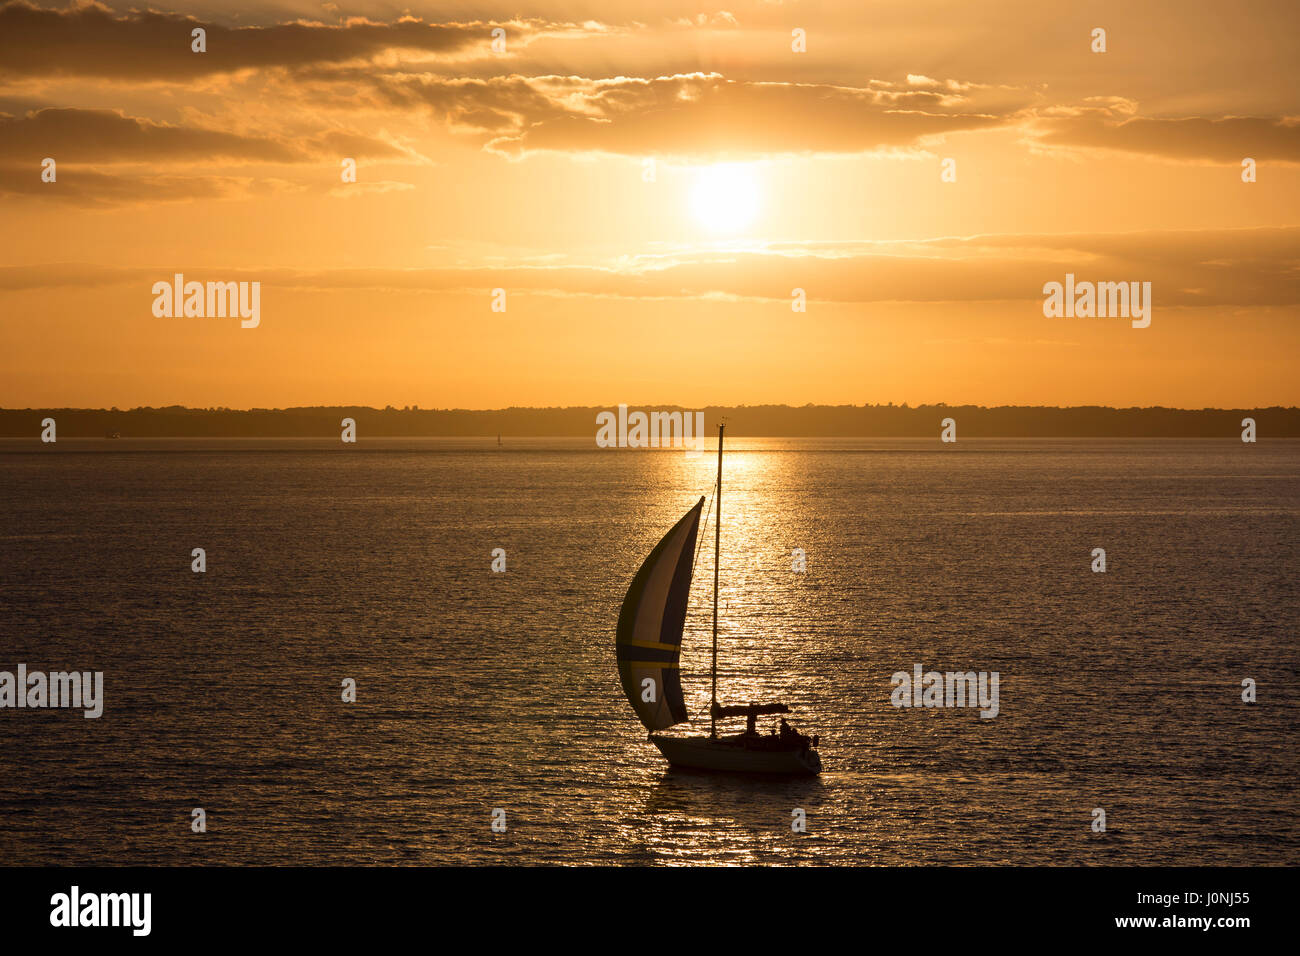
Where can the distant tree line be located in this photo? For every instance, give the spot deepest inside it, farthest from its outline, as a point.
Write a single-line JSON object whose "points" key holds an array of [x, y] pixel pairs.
{"points": [[846, 421]]}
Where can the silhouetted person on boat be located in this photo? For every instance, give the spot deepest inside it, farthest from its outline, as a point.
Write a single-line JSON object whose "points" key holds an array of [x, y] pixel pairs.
{"points": [[791, 736]]}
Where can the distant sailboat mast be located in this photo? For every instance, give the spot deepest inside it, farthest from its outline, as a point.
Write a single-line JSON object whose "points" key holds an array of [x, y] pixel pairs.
{"points": [[717, 560]]}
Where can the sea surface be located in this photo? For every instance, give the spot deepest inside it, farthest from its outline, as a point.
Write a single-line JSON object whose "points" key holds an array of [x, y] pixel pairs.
{"points": [[479, 691]]}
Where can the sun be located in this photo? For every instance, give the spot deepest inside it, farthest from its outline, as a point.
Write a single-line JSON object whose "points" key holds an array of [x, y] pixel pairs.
{"points": [[725, 197]]}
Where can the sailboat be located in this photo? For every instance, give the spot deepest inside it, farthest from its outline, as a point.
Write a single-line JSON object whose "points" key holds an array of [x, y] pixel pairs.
{"points": [[649, 644]]}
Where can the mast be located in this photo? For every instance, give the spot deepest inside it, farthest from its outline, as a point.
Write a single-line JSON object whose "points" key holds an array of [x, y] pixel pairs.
{"points": [[717, 559]]}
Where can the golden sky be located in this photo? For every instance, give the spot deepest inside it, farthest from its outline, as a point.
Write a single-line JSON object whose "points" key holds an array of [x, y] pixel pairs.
{"points": [[525, 169]]}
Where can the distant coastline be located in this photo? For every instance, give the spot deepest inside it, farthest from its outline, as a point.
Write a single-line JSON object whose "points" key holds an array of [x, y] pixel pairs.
{"points": [[776, 421]]}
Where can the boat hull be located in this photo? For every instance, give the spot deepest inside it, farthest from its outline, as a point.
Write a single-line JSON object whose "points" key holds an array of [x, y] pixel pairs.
{"points": [[731, 755]]}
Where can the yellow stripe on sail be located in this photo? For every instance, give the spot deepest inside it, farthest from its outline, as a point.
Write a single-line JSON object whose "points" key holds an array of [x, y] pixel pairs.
{"points": [[652, 645], [650, 664]]}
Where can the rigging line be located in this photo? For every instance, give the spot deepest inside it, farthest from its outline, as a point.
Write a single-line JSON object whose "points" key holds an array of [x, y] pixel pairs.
{"points": [[705, 530]]}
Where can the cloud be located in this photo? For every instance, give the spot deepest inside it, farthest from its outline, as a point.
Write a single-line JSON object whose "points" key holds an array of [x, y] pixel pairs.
{"points": [[109, 136], [352, 190], [93, 40], [1224, 140], [155, 160], [88, 188], [1226, 267], [689, 115], [76, 136]]}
